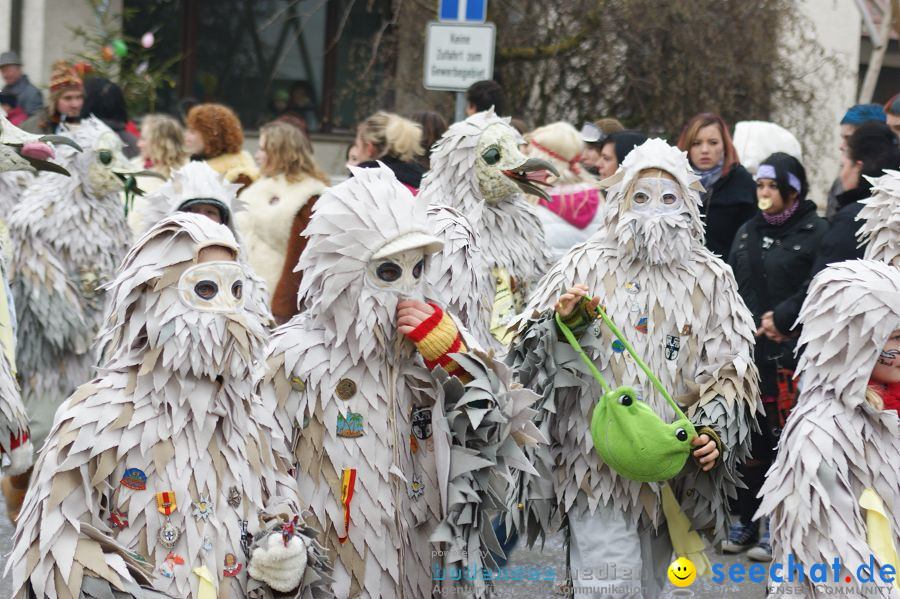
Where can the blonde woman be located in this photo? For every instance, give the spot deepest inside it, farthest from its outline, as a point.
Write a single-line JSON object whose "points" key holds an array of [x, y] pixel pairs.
{"points": [[395, 141], [162, 150], [278, 207], [572, 215]]}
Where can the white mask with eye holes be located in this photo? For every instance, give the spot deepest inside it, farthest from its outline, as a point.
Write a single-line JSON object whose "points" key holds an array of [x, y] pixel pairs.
{"points": [[400, 273], [652, 196], [213, 287]]}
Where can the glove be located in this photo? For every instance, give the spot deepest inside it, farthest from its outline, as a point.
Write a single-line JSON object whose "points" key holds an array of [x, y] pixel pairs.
{"points": [[279, 565], [436, 338], [21, 454]]}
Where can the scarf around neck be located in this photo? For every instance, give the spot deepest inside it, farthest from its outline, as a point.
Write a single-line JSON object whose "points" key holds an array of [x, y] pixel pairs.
{"points": [[708, 177], [781, 217]]}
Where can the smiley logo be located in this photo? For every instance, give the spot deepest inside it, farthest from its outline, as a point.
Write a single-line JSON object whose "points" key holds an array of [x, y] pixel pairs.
{"points": [[682, 572]]}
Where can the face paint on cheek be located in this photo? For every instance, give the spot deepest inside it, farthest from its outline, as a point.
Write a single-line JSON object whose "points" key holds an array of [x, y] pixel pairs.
{"points": [[887, 357]]}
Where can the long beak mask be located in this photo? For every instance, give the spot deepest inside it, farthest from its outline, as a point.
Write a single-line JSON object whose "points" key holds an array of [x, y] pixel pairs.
{"points": [[126, 172], [31, 152], [532, 173]]}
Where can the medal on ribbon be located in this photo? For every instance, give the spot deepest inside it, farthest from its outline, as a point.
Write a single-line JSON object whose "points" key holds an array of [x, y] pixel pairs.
{"points": [[168, 532]]}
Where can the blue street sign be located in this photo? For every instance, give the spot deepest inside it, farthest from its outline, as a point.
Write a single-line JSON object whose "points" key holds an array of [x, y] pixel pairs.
{"points": [[462, 10]]}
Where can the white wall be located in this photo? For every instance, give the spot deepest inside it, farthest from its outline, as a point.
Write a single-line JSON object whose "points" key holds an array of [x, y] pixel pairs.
{"points": [[47, 33], [836, 26], [5, 10]]}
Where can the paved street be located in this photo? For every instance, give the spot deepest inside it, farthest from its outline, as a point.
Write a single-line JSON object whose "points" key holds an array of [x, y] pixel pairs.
{"points": [[553, 556]]}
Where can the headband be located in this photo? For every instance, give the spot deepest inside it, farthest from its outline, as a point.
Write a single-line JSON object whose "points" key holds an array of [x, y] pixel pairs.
{"points": [[767, 171]]}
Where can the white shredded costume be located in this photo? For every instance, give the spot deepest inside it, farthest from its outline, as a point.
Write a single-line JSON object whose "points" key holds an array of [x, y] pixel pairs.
{"points": [[197, 182], [163, 476], [880, 230], [834, 487], [427, 455], [69, 235], [678, 305], [478, 170]]}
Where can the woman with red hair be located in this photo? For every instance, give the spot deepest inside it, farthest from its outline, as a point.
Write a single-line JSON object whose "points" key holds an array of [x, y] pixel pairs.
{"points": [[730, 197], [214, 135]]}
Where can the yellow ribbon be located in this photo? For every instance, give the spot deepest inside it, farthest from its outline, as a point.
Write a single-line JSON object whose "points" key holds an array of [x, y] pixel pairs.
{"points": [[686, 543], [878, 530], [207, 589], [504, 307]]}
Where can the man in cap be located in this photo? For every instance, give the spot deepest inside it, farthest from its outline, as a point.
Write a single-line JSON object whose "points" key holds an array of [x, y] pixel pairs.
{"points": [[28, 97]]}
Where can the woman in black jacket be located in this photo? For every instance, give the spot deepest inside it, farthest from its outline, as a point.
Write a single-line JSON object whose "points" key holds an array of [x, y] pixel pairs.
{"points": [[772, 256], [872, 148], [730, 197]]}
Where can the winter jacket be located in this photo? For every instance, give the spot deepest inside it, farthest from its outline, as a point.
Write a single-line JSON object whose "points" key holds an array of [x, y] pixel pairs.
{"points": [[41, 123], [787, 253], [408, 173], [571, 217], [238, 167], [27, 95], [271, 206], [839, 244], [729, 203]]}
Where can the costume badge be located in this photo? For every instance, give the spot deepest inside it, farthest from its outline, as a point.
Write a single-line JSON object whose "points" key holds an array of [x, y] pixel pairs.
{"points": [[168, 532], [686, 330], [232, 567], [167, 568], [169, 535], [632, 287], [207, 545], [246, 538], [345, 389], [119, 519], [134, 479], [618, 346], [137, 556], [234, 497], [416, 487], [641, 325], [421, 423], [203, 509], [351, 426], [673, 344], [90, 281], [297, 384]]}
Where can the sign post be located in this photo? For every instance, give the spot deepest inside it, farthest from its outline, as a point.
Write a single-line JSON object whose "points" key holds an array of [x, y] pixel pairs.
{"points": [[459, 49]]}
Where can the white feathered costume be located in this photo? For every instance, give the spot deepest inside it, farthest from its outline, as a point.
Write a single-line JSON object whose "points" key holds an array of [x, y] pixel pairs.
{"points": [[69, 235], [880, 230], [420, 456], [835, 487], [478, 170], [678, 305], [198, 183], [167, 459]]}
